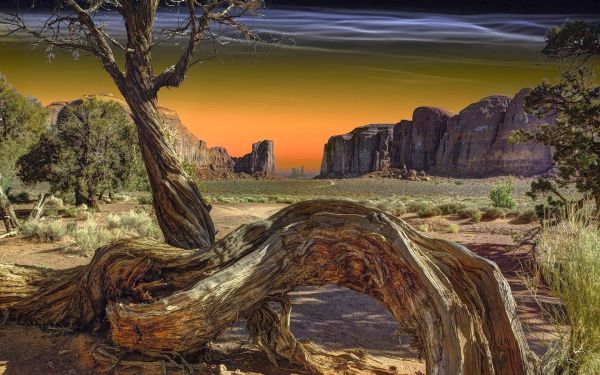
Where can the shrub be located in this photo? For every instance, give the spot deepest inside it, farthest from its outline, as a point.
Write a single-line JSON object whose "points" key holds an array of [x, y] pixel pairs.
{"points": [[453, 228], [20, 197], [45, 231], [452, 208], [472, 213], [429, 211], [135, 223], [76, 211], [145, 199], [569, 262], [493, 213], [417, 206], [501, 194], [528, 216], [90, 236]]}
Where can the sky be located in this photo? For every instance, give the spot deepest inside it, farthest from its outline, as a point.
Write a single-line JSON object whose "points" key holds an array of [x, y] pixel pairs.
{"points": [[333, 70]]}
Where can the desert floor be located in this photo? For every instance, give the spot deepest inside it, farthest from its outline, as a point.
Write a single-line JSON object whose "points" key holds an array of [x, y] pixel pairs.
{"points": [[333, 317]]}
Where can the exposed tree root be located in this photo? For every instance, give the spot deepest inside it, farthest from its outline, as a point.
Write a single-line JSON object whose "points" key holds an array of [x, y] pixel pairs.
{"points": [[152, 297]]}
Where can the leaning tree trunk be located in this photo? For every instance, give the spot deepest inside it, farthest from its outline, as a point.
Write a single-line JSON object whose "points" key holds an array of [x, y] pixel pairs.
{"points": [[7, 213], [157, 298], [182, 214], [181, 211]]}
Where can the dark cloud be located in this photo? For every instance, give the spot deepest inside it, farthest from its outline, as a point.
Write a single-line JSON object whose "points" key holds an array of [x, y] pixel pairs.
{"points": [[454, 6]]}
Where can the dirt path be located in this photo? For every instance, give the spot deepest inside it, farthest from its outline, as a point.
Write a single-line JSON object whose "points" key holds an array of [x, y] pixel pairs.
{"points": [[334, 317]]}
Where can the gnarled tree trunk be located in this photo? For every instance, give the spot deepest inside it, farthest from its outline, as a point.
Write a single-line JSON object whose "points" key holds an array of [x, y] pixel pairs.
{"points": [[7, 213], [457, 305]]}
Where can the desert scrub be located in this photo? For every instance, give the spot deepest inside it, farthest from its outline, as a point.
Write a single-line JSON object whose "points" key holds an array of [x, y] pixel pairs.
{"points": [[452, 208], [423, 228], [429, 211], [472, 213], [145, 199], [453, 228], [45, 231], [135, 223], [502, 194], [528, 216], [89, 236], [568, 261], [493, 213]]}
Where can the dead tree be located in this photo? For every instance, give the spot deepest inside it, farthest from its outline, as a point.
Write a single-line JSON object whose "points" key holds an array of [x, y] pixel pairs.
{"points": [[181, 211], [152, 297]]}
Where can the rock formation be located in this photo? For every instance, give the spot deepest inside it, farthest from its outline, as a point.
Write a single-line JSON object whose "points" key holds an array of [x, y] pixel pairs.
{"points": [[213, 162], [364, 150], [474, 143], [259, 162], [464, 148]]}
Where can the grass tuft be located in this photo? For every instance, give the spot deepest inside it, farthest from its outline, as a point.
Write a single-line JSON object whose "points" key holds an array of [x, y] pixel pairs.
{"points": [[569, 262]]}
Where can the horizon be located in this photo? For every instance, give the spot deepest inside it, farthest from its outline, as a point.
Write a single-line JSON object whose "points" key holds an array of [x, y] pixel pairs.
{"points": [[333, 71]]}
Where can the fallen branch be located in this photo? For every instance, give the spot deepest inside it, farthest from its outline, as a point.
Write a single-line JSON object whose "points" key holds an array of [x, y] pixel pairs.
{"points": [[151, 297]]}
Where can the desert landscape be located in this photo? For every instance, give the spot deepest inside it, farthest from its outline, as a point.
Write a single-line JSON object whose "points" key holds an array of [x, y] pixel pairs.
{"points": [[286, 187]]}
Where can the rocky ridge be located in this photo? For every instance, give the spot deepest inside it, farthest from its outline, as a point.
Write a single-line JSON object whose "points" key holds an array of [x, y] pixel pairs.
{"points": [[473, 143], [210, 162]]}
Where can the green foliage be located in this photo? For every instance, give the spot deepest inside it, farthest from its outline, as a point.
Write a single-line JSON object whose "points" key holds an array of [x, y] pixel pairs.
{"points": [[91, 150], [575, 103], [21, 122], [569, 262], [573, 40], [501, 194], [45, 231]]}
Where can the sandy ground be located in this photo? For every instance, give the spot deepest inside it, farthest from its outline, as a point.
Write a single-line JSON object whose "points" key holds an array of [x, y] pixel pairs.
{"points": [[333, 317]]}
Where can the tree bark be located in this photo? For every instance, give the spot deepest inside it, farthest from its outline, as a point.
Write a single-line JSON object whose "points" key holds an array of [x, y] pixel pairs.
{"points": [[7, 213], [457, 305], [182, 214]]}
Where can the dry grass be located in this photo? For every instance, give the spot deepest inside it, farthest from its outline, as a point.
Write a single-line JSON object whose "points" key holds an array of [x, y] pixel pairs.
{"points": [[569, 262]]}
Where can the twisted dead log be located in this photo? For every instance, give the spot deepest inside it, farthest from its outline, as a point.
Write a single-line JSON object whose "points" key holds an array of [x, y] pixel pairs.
{"points": [[152, 297]]}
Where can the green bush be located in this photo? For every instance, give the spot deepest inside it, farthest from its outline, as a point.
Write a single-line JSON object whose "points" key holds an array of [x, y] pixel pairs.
{"points": [[45, 231], [472, 213], [569, 263], [501, 194]]}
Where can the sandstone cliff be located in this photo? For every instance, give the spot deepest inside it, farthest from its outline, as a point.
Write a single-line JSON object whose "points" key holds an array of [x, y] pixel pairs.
{"points": [[259, 162], [474, 143], [210, 162], [365, 149]]}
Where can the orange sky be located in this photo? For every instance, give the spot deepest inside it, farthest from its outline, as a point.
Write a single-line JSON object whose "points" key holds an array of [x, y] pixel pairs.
{"points": [[297, 98]]}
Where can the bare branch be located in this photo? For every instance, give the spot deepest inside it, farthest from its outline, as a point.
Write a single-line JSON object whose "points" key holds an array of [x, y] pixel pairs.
{"points": [[198, 27]]}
